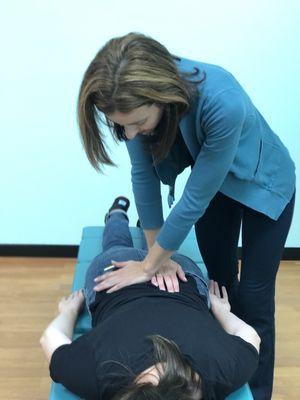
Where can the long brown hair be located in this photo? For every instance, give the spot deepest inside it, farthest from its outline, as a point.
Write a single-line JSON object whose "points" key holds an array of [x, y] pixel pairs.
{"points": [[177, 380], [129, 72]]}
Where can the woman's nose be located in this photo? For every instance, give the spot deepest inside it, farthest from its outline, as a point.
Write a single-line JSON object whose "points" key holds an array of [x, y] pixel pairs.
{"points": [[131, 132]]}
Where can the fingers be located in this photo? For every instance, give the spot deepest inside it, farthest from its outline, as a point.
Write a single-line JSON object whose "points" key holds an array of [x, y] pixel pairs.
{"points": [[103, 277], [73, 296], [77, 293], [224, 293], [167, 279], [175, 283], [119, 264], [69, 297], [181, 274], [169, 283], [115, 288], [104, 284], [166, 282], [80, 293], [107, 281], [154, 281], [160, 281], [216, 289]]}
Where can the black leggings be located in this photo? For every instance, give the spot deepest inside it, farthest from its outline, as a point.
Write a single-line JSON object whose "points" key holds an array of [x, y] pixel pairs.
{"points": [[253, 297]]}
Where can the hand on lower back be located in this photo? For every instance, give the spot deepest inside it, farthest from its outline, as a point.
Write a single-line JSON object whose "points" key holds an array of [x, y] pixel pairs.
{"points": [[167, 277], [128, 273]]}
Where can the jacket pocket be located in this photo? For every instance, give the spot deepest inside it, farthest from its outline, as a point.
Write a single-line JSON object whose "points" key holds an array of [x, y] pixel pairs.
{"points": [[268, 164]]}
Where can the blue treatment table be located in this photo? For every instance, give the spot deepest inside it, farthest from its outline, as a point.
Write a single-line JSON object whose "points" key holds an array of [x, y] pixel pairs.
{"points": [[90, 246]]}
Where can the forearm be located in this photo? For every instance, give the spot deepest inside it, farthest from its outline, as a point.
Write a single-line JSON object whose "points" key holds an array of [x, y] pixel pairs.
{"points": [[58, 332], [229, 321], [237, 327], [150, 235], [64, 323]]}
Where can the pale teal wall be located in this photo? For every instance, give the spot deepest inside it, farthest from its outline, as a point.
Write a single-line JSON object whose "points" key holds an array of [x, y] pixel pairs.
{"points": [[48, 189]]}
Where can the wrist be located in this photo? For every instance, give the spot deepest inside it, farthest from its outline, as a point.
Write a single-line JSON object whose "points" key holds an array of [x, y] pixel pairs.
{"points": [[220, 310], [148, 268], [69, 313], [155, 259], [150, 235]]}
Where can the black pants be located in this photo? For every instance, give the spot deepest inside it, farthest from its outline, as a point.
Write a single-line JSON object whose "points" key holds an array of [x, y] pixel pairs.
{"points": [[253, 297]]}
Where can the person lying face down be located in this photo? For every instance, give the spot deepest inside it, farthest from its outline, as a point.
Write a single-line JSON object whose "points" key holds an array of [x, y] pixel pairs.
{"points": [[145, 342]]}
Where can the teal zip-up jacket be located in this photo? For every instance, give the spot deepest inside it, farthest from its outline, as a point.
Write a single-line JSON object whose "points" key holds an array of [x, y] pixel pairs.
{"points": [[234, 150]]}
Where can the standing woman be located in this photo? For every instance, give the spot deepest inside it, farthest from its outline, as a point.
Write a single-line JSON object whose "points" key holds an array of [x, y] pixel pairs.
{"points": [[173, 113]]}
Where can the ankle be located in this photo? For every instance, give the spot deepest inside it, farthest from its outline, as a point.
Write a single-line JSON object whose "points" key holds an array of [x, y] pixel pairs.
{"points": [[117, 211]]}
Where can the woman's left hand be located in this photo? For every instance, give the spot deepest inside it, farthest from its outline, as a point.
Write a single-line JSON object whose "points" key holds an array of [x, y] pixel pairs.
{"points": [[166, 278], [73, 303], [129, 273]]}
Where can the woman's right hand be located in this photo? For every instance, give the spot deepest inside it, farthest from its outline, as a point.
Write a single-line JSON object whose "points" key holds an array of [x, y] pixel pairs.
{"points": [[218, 303]]}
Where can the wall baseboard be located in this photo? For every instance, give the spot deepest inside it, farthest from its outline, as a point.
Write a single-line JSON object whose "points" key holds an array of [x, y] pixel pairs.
{"points": [[38, 250], [69, 251]]}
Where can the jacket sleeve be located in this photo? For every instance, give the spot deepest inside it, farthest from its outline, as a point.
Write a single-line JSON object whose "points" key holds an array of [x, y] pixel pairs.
{"points": [[145, 185], [222, 119]]}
